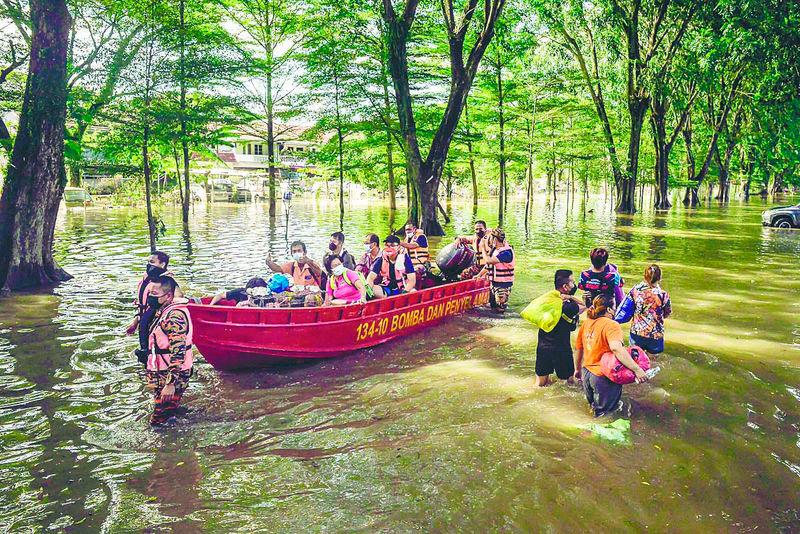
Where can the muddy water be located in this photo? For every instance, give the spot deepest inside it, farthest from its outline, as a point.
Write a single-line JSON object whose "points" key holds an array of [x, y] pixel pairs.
{"points": [[442, 431]]}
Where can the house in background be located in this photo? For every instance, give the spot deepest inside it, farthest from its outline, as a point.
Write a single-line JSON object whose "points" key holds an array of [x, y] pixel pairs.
{"points": [[243, 161]]}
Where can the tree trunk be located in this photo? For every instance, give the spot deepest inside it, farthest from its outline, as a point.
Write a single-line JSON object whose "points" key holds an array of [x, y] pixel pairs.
{"points": [[501, 124], [387, 108], [36, 175], [471, 158], [529, 186], [658, 122], [340, 142], [184, 132], [75, 175], [270, 112], [626, 201], [151, 225]]}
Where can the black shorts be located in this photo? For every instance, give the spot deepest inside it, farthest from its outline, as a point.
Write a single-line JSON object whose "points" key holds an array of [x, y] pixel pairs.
{"points": [[549, 360]]}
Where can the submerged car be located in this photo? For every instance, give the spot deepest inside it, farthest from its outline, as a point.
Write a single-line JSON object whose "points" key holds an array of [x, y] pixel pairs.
{"points": [[782, 217]]}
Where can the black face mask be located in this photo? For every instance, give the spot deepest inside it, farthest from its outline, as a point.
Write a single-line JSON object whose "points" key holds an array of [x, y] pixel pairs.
{"points": [[154, 271], [332, 246], [573, 290], [480, 233], [152, 302]]}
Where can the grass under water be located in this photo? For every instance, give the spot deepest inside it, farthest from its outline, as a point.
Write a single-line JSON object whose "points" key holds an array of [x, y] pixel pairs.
{"points": [[441, 431]]}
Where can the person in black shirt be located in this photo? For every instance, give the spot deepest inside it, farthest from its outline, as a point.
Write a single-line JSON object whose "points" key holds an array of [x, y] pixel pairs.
{"points": [[554, 351], [240, 294]]}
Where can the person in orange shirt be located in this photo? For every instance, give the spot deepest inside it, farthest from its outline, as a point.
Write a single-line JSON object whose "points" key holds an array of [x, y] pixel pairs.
{"points": [[303, 270], [596, 336]]}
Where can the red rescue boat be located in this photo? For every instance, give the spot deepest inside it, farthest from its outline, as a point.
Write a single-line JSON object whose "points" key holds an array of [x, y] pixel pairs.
{"points": [[236, 338]]}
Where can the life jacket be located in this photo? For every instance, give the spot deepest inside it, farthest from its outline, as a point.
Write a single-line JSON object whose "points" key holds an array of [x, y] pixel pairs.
{"points": [[143, 291], [503, 272], [301, 275], [419, 256], [399, 269], [332, 282], [481, 245], [158, 359]]}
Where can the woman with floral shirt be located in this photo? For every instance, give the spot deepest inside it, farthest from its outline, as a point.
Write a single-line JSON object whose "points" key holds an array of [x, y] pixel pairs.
{"points": [[651, 305]]}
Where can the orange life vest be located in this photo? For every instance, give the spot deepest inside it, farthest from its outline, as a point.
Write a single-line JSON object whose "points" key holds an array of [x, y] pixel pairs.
{"points": [[502, 272], [419, 256], [399, 269], [481, 248], [158, 360]]}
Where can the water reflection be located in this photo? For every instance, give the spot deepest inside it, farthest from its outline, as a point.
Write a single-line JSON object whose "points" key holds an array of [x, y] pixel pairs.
{"points": [[437, 432]]}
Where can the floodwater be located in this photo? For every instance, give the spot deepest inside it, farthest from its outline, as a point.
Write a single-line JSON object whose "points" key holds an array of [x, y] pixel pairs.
{"points": [[439, 432]]}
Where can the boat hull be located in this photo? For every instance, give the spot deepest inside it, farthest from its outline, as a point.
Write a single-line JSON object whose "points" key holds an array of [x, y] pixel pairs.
{"points": [[237, 338]]}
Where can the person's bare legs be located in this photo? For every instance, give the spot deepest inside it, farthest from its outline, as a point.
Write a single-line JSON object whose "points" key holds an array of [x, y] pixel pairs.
{"points": [[542, 381]]}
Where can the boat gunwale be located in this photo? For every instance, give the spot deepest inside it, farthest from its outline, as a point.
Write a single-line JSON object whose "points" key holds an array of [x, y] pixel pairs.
{"points": [[379, 305]]}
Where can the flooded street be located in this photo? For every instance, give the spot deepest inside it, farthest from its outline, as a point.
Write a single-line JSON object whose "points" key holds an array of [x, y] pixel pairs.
{"points": [[442, 431]]}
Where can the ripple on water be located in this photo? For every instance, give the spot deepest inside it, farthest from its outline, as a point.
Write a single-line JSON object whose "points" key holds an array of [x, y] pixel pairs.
{"points": [[440, 432]]}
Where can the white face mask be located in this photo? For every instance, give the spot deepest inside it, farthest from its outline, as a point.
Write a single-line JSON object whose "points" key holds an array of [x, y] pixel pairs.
{"points": [[409, 233], [338, 270], [297, 256], [368, 247]]}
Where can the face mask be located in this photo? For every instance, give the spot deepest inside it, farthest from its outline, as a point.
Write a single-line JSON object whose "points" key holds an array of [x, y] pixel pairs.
{"points": [[297, 256], [480, 233], [154, 271], [409, 234], [152, 302], [332, 246], [368, 247], [338, 270], [573, 290]]}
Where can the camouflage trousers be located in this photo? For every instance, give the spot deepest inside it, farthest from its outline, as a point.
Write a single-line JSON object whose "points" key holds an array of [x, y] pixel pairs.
{"points": [[163, 410]]}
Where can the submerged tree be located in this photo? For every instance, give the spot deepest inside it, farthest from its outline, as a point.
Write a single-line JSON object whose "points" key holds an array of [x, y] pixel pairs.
{"points": [[425, 174], [36, 177]]}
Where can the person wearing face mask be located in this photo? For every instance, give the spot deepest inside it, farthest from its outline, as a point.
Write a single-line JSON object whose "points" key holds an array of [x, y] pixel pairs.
{"points": [[479, 242], [416, 245], [393, 273], [553, 350], [372, 251], [336, 248], [596, 336], [170, 352], [145, 306], [303, 270], [345, 286]]}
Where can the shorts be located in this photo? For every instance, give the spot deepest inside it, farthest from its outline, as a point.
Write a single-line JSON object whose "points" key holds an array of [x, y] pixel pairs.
{"points": [[603, 394], [390, 292], [498, 298], [651, 345], [550, 360]]}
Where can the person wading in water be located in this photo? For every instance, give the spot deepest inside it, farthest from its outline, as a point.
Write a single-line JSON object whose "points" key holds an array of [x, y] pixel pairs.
{"points": [[170, 358]]}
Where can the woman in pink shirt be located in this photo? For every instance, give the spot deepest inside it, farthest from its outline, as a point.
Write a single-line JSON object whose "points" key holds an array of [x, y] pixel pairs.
{"points": [[344, 286]]}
